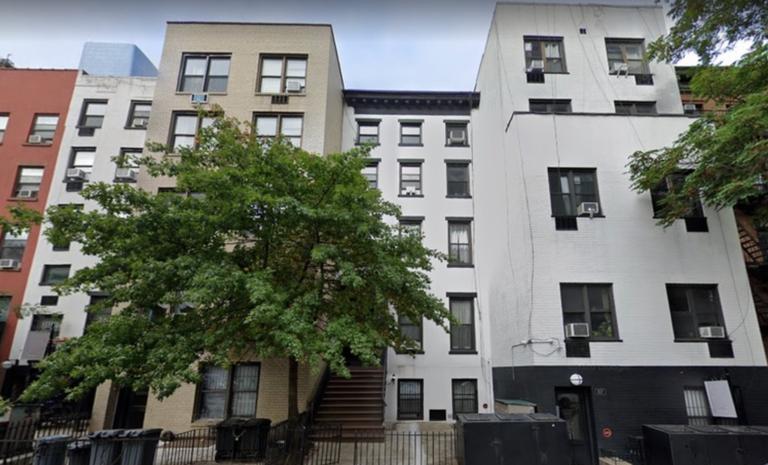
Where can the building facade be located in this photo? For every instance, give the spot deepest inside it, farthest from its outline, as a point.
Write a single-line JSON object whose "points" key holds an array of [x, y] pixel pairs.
{"points": [[597, 313], [421, 158], [286, 79], [33, 107]]}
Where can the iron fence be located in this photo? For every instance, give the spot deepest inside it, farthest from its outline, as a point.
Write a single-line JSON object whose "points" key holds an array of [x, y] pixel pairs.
{"points": [[18, 437], [405, 448]]}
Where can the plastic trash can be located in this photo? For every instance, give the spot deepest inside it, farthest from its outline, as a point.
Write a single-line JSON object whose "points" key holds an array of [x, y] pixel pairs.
{"points": [[242, 438], [105, 447], [51, 450], [79, 452], [139, 446]]}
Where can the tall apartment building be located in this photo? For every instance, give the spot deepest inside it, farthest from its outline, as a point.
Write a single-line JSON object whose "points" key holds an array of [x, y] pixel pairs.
{"points": [[33, 105], [597, 313], [287, 80], [422, 160]]}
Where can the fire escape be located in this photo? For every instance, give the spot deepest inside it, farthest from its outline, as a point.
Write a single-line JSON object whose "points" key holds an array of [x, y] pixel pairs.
{"points": [[755, 249]]}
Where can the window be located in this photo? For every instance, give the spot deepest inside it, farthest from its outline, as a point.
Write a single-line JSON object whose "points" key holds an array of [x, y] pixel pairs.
{"points": [[82, 158], [697, 406], [464, 396], [228, 393], [662, 190], [185, 127], [626, 56], [463, 330], [13, 245], [92, 116], [54, 274], [635, 108], [410, 399], [410, 132], [49, 300], [138, 115], [693, 109], [545, 53], [97, 310], [371, 173], [49, 322], [569, 188], [456, 134], [204, 73], [28, 182], [410, 179], [591, 304], [549, 106], [127, 165], [3, 126], [458, 179], [459, 243], [410, 330], [268, 126], [5, 308], [693, 306], [281, 74], [411, 225], [368, 132], [43, 129]]}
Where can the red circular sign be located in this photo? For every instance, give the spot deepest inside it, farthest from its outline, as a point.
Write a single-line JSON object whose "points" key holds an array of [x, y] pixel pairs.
{"points": [[607, 433]]}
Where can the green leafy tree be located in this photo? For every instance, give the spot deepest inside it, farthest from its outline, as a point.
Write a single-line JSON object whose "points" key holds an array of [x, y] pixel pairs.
{"points": [[263, 250], [724, 153]]}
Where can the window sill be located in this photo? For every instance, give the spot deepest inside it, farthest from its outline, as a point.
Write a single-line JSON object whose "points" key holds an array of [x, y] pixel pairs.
{"points": [[410, 354], [457, 145], [462, 352], [604, 340], [458, 196], [725, 339], [41, 144], [287, 94], [23, 199], [583, 216], [411, 196], [371, 144], [136, 128], [11, 270], [178, 92], [461, 265], [410, 145]]}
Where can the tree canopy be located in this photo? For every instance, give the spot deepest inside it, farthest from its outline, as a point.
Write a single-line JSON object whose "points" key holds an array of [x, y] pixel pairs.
{"points": [[261, 250], [724, 153]]}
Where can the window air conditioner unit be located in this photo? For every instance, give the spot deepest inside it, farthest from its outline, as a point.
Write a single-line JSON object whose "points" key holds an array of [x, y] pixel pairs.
{"points": [[139, 122], [293, 86], [9, 264], [577, 330], [690, 108], [589, 209], [75, 174], [620, 68], [35, 139], [457, 137], [712, 332], [198, 99], [536, 66], [125, 174], [410, 191], [26, 194]]}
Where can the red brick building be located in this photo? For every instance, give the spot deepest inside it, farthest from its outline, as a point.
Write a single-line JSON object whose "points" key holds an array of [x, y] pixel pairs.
{"points": [[33, 108]]}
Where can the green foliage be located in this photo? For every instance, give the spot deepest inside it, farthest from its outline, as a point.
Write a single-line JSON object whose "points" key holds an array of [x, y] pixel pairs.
{"points": [[264, 250], [725, 152]]}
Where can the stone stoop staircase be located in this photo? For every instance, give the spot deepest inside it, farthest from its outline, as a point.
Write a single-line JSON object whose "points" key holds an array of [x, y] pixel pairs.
{"points": [[355, 403]]}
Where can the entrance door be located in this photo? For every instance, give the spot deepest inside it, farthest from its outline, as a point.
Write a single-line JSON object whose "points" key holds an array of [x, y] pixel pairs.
{"points": [[575, 407], [130, 409]]}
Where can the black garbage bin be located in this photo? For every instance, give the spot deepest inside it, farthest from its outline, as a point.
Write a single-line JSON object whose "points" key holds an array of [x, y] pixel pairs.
{"points": [[105, 447], [51, 450], [242, 439], [139, 446], [78, 452]]}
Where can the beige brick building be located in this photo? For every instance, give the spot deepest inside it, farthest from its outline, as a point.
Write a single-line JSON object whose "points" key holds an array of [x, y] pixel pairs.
{"points": [[286, 79]]}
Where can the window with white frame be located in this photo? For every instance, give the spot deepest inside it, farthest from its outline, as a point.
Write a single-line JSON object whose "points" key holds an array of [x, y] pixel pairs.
{"points": [[3, 125], [185, 128], [204, 73], [283, 74], [28, 182], [13, 245], [371, 173], [410, 179], [269, 126], [44, 129]]}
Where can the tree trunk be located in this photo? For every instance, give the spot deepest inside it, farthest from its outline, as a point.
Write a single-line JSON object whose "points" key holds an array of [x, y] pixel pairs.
{"points": [[293, 389]]}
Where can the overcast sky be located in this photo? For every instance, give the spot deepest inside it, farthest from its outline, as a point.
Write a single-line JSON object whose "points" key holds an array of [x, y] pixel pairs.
{"points": [[383, 44]]}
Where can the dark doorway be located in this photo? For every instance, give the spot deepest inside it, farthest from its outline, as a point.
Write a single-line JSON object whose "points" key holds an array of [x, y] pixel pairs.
{"points": [[129, 412], [574, 405]]}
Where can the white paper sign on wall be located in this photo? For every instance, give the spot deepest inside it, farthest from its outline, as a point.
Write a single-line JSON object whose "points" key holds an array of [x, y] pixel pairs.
{"points": [[720, 399]]}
